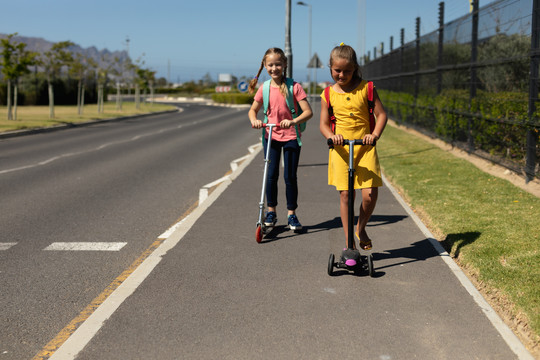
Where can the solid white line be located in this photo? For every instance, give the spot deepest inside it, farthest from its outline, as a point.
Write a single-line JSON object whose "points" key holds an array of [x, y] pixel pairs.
{"points": [[6, 246], [86, 246], [506, 333], [88, 329]]}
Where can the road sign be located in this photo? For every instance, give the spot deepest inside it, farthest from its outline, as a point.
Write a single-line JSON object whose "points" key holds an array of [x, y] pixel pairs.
{"points": [[243, 86], [315, 62]]}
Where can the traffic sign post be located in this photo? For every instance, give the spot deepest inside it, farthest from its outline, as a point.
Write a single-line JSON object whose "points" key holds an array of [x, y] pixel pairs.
{"points": [[315, 63]]}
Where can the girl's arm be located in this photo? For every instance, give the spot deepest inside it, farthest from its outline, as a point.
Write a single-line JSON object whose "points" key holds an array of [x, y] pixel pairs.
{"points": [[325, 127], [307, 113], [255, 123]]}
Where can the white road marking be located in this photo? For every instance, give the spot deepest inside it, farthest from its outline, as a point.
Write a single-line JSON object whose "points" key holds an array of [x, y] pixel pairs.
{"points": [[506, 333], [86, 246], [6, 246], [89, 328]]}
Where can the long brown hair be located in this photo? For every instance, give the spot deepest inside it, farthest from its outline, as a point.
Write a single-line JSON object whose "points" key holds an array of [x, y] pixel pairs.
{"points": [[283, 87]]}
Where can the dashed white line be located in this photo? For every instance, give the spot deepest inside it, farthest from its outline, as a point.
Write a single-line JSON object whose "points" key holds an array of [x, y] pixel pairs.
{"points": [[78, 339], [86, 246], [6, 246]]}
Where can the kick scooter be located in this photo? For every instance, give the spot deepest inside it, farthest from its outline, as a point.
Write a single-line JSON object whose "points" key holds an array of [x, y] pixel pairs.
{"points": [[350, 258], [261, 227]]}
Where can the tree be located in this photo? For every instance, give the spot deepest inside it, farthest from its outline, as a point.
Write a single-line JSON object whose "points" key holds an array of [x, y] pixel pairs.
{"points": [[79, 70], [15, 62], [103, 70], [53, 62]]}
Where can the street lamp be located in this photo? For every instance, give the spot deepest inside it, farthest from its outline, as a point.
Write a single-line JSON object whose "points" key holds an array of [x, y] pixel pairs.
{"points": [[301, 3]]}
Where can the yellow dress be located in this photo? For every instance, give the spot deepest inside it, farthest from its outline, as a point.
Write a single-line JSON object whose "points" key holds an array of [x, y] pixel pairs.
{"points": [[352, 121]]}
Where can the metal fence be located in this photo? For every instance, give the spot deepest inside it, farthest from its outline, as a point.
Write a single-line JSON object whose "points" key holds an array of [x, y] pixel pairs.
{"points": [[472, 82]]}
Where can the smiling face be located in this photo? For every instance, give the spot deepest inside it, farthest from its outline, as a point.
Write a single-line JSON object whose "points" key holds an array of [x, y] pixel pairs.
{"points": [[274, 64], [342, 71]]}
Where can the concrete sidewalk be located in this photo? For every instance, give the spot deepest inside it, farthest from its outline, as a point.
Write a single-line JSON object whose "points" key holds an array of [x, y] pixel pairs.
{"points": [[219, 294]]}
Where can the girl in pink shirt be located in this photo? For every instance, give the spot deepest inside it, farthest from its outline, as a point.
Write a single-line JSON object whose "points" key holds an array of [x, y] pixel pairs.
{"points": [[283, 137]]}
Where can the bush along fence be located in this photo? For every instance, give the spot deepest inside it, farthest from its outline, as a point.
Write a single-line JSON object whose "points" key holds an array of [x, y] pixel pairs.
{"points": [[473, 82]]}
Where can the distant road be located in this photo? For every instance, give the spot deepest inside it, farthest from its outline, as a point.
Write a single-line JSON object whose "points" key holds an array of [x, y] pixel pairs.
{"points": [[113, 186]]}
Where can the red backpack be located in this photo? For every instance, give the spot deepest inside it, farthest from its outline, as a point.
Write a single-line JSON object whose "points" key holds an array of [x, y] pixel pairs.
{"points": [[371, 106]]}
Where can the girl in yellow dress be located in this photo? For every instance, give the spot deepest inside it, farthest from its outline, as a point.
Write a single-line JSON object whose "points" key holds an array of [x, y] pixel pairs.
{"points": [[348, 98]]}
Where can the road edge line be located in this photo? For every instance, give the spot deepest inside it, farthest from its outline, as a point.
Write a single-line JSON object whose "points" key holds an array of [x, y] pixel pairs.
{"points": [[74, 337], [504, 330]]}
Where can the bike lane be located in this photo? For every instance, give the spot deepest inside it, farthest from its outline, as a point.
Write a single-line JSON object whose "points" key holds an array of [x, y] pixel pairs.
{"points": [[219, 294]]}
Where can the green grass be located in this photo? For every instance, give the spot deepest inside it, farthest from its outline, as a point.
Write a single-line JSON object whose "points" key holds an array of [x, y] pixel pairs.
{"points": [[491, 226], [29, 117]]}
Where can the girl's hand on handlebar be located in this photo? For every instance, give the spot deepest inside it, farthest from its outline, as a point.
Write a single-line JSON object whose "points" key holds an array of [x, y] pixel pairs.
{"points": [[337, 139], [285, 124], [256, 124], [370, 139]]}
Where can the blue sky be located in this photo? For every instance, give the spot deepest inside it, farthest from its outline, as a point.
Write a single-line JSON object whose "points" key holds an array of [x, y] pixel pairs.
{"points": [[184, 40]]}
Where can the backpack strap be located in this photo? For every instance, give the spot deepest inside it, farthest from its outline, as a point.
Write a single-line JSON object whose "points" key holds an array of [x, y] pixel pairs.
{"points": [[330, 109], [289, 100], [292, 108], [371, 107], [266, 99]]}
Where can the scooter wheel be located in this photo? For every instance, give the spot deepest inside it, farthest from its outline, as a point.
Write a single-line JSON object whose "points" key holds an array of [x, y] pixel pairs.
{"points": [[331, 265], [259, 233], [371, 270]]}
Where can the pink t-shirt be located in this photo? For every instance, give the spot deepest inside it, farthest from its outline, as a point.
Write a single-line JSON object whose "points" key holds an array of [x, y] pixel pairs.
{"points": [[278, 110]]}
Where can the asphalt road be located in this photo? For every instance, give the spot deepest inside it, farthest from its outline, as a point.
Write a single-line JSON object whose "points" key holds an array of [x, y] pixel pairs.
{"points": [[119, 182], [211, 291]]}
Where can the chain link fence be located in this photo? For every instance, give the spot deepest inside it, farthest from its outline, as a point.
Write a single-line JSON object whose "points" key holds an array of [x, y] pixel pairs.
{"points": [[473, 82]]}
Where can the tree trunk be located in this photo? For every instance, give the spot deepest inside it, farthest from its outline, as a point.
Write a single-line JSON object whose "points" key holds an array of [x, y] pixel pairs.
{"points": [[79, 98], [100, 98], [10, 114], [137, 97], [51, 101], [82, 99], [118, 98], [15, 94]]}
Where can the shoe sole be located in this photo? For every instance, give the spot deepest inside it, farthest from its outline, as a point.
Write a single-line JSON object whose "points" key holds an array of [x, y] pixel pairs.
{"points": [[295, 227]]}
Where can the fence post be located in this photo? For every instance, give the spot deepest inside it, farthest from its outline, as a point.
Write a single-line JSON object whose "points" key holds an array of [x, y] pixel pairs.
{"points": [[440, 49], [474, 57], [401, 51], [417, 61], [532, 134]]}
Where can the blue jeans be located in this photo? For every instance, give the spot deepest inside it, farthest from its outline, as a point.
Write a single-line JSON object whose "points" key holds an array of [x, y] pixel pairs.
{"points": [[291, 157]]}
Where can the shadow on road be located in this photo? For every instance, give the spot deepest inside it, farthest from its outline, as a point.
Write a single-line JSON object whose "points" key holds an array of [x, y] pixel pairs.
{"points": [[418, 251]]}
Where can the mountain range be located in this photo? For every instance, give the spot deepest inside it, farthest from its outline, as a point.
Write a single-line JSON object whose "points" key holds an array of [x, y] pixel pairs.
{"points": [[41, 45]]}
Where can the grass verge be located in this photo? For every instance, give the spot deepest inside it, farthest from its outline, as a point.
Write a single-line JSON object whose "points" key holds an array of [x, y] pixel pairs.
{"points": [[30, 117], [489, 226]]}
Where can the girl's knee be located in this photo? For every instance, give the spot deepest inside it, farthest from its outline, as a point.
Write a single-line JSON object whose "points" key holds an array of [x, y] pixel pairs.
{"points": [[369, 196]]}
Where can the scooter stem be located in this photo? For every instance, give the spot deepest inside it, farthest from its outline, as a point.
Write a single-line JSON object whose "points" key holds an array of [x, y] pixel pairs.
{"points": [[266, 161], [350, 237]]}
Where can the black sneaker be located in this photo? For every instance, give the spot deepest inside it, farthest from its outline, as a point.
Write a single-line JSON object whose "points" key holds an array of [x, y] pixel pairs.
{"points": [[294, 224], [271, 218]]}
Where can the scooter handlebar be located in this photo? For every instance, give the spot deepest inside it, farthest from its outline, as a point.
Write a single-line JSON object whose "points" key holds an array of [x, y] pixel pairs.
{"points": [[275, 126], [330, 143]]}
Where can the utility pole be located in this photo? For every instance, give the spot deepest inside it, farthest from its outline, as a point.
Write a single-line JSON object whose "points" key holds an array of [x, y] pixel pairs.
{"points": [[288, 49]]}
